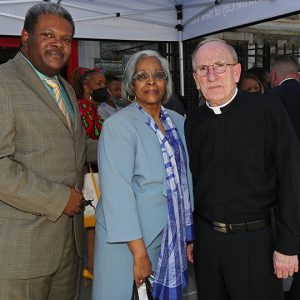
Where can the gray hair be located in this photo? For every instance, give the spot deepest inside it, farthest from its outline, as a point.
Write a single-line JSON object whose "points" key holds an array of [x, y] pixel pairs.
{"points": [[208, 40], [285, 65], [130, 69], [45, 8]]}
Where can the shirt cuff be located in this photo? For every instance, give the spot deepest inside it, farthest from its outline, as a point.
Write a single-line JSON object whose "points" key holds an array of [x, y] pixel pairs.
{"points": [[287, 245]]}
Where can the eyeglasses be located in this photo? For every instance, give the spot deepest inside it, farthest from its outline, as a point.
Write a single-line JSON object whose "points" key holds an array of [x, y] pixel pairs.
{"points": [[219, 67], [143, 76]]}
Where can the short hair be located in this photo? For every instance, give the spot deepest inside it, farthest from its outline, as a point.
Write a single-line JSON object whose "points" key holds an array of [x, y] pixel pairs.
{"points": [[110, 78], [208, 40], [285, 65], [45, 8], [130, 69]]}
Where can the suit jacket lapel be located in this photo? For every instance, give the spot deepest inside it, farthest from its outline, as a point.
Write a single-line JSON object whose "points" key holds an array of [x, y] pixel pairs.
{"points": [[25, 72], [73, 101]]}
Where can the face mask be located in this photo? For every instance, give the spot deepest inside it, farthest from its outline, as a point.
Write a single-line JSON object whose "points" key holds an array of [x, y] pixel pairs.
{"points": [[99, 95]]}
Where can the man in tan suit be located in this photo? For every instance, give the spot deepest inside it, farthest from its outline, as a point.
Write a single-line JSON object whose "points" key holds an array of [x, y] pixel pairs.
{"points": [[42, 153]]}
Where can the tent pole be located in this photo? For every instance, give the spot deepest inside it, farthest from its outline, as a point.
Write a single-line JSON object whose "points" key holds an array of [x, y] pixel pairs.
{"points": [[180, 45]]}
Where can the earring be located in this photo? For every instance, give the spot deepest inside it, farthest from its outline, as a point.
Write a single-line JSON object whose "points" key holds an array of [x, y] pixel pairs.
{"points": [[129, 98]]}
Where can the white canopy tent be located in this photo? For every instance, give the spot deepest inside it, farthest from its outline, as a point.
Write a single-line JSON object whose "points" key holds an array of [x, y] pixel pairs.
{"points": [[152, 20]]}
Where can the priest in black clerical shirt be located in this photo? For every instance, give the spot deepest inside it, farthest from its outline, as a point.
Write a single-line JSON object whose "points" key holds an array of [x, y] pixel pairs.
{"points": [[244, 158]]}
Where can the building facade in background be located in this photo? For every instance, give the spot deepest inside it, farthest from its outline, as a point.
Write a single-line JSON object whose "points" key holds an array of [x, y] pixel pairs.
{"points": [[256, 45]]}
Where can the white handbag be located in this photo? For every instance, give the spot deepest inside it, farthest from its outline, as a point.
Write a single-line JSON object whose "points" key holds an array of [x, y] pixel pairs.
{"points": [[91, 191], [144, 292]]}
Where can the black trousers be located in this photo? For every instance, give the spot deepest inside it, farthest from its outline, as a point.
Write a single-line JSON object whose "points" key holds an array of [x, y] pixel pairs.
{"points": [[235, 266]]}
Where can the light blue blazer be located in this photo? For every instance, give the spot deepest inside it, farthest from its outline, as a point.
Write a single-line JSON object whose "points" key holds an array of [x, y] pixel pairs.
{"points": [[133, 202]]}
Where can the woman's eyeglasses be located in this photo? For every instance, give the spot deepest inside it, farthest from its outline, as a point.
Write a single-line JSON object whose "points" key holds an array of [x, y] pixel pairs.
{"points": [[144, 76], [219, 67]]}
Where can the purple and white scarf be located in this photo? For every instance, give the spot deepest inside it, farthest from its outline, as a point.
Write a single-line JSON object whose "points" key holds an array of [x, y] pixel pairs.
{"points": [[171, 275]]}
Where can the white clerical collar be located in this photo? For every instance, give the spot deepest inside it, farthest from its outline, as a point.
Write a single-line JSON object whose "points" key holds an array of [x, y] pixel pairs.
{"points": [[285, 80], [217, 109]]}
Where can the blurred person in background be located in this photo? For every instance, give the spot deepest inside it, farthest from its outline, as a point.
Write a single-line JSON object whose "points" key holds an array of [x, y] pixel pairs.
{"points": [[286, 88], [263, 75], [250, 83], [87, 83], [110, 103], [113, 85]]}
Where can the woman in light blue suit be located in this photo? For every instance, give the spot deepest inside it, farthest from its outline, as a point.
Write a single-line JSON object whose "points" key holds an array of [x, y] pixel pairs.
{"points": [[144, 217]]}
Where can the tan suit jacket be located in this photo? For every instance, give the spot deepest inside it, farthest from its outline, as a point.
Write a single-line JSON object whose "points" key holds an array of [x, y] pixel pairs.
{"points": [[40, 158]]}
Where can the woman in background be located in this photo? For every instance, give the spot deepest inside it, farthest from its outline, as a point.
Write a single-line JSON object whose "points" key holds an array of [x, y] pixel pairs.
{"points": [[144, 218], [85, 83], [263, 75], [250, 83]]}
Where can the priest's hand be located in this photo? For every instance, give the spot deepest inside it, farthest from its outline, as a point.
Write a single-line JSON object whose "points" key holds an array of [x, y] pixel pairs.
{"points": [[284, 265]]}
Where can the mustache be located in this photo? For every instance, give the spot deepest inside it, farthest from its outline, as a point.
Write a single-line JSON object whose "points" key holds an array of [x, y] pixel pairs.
{"points": [[55, 52]]}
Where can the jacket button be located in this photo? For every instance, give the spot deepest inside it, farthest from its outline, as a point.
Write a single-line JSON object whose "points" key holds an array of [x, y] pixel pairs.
{"points": [[36, 214]]}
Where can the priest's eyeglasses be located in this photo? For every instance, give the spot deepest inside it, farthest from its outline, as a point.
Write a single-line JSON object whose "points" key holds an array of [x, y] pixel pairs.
{"points": [[144, 76], [219, 67]]}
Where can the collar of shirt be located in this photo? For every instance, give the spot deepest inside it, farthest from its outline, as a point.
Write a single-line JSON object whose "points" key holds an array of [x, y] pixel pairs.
{"points": [[217, 109], [38, 73], [50, 90], [286, 80]]}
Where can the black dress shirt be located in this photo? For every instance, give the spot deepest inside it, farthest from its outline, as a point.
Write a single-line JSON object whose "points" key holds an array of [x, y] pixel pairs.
{"points": [[244, 161]]}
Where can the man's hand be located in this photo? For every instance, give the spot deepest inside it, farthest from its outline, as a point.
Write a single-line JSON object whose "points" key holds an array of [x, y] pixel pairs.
{"points": [[189, 252], [73, 205], [284, 265]]}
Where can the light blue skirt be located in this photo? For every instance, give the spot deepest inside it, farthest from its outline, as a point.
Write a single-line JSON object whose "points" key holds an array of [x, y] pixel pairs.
{"points": [[113, 269]]}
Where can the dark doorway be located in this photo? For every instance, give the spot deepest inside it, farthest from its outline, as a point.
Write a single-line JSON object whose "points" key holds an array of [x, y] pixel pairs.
{"points": [[6, 53]]}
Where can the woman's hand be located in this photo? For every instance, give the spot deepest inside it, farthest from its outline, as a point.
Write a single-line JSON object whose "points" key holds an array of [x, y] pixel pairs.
{"points": [[142, 267], [189, 252]]}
